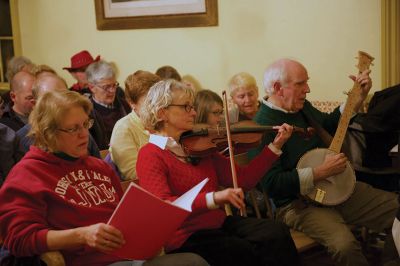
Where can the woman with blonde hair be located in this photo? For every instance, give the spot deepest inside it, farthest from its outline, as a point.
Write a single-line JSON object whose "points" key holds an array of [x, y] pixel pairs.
{"points": [[244, 94]]}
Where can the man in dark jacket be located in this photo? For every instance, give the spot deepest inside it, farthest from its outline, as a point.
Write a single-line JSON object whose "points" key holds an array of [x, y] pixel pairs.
{"points": [[16, 116], [10, 152]]}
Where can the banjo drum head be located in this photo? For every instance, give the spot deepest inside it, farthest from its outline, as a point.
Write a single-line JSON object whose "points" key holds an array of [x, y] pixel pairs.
{"points": [[333, 190]]}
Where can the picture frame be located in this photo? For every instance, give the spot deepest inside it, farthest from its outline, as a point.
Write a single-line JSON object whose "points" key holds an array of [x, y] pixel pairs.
{"points": [[145, 14]]}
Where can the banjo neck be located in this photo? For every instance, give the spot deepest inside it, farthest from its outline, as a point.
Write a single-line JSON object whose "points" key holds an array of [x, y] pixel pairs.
{"points": [[364, 62]]}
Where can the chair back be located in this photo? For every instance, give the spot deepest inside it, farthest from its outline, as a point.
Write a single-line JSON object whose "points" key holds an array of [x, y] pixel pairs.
{"points": [[103, 154]]}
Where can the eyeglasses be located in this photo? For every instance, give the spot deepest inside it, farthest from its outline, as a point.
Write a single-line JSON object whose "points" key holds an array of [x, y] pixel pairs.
{"points": [[76, 129], [109, 87], [187, 107]]}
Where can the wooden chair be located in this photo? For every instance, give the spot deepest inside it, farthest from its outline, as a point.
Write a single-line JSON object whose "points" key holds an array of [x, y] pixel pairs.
{"points": [[53, 258], [103, 153]]}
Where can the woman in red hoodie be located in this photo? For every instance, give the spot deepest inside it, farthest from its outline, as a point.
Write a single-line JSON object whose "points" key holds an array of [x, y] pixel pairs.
{"points": [[164, 169], [59, 198]]}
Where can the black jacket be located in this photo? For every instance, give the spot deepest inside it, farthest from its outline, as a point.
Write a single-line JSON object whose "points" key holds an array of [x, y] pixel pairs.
{"points": [[381, 126]]}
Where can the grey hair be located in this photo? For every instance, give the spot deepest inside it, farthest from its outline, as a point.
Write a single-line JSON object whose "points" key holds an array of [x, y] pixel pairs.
{"points": [[241, 80], [276, 72], [99, 70], [160, 96], [15, 65]]}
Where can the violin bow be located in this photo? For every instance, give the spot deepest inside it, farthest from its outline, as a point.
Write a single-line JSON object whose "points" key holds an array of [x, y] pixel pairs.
{"points": [[231, 152]]}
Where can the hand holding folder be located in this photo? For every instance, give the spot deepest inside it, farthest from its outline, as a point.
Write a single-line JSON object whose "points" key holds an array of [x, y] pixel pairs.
{"points": [[147, 222]]}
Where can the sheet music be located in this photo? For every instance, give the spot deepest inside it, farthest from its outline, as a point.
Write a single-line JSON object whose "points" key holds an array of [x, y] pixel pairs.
{"points": [[395, 149], [186, 200]]}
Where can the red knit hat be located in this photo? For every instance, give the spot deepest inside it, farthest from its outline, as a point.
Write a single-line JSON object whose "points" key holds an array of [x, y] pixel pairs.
{"points": [[81, 59]]}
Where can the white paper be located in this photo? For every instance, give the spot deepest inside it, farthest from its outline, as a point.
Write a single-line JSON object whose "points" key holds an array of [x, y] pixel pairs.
{"points": [[396, 234], [186, 200], [395, 148]]}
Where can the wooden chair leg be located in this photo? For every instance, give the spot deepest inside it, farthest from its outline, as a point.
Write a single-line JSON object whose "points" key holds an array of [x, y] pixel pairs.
{"points": [[53, 258], [228, 210], [301, 241]]}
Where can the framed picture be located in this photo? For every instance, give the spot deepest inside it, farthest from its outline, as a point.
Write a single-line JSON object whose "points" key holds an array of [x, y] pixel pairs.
{"points": [[142, 14]]}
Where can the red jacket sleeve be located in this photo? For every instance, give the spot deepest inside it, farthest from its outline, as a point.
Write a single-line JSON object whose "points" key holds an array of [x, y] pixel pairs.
{"points": [[23, 222], [247, 176]]}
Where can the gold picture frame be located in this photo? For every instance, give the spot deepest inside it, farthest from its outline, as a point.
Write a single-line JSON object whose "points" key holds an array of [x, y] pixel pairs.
{"points": [[200, 19]]}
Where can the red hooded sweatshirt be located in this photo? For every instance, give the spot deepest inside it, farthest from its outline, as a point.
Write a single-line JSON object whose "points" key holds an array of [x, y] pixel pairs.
{"points": [[44, 192]]}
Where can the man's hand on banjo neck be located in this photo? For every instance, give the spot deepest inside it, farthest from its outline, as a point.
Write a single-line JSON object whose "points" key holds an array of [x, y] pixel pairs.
{"points": [[336, 163]]}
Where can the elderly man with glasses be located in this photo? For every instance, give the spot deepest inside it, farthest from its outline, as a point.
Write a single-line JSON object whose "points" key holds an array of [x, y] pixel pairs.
{"points": [[108, 105]]}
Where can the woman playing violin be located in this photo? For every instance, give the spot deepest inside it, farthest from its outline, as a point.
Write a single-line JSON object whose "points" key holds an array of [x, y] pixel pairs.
{"points": [[163, 170]]}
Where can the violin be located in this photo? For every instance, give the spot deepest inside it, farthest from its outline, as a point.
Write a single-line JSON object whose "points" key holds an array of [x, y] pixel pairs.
{"points": [[204, 140]]}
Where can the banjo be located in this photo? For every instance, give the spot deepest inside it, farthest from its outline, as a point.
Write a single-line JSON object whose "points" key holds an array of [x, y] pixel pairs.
{"points": [[338, 188]]}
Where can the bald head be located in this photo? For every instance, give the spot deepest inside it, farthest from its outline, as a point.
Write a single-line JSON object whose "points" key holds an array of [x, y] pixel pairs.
{"points": [[48, 82], [21, 93], [280, 71], [286, 83], [22, 80]]}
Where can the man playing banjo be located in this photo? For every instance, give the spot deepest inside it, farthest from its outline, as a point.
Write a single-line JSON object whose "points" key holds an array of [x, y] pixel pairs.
{"points": [[286, 84]]}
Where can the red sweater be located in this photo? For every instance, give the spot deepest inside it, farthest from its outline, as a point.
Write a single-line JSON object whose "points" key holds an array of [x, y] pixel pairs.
{"points": [[161, 173], [44, 192]]}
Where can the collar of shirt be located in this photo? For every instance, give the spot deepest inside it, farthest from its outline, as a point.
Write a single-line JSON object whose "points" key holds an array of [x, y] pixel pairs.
{"points": [[167, 143], [104, 105], [274, 107]]}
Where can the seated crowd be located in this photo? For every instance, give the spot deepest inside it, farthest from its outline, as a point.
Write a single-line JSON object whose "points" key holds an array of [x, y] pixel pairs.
{"points": [[50, 142]]}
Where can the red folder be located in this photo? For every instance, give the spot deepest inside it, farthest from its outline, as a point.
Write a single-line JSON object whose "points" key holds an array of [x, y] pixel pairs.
{"points": [[147, 222]]}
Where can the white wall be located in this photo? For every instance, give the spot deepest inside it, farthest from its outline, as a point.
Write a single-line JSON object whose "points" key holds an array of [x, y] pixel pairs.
{"points": [[324, 35]]}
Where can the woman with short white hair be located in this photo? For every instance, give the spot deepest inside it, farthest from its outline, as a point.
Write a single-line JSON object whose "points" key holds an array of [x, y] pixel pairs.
{"points": [[244, 94]]}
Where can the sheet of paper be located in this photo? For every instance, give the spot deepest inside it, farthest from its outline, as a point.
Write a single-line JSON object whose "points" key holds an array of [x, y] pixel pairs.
{"points": [[186, 200], [395, 149]]}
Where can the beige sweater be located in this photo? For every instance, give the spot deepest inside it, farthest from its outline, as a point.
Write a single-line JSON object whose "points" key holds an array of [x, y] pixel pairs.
{"points": [[127, 138]]}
